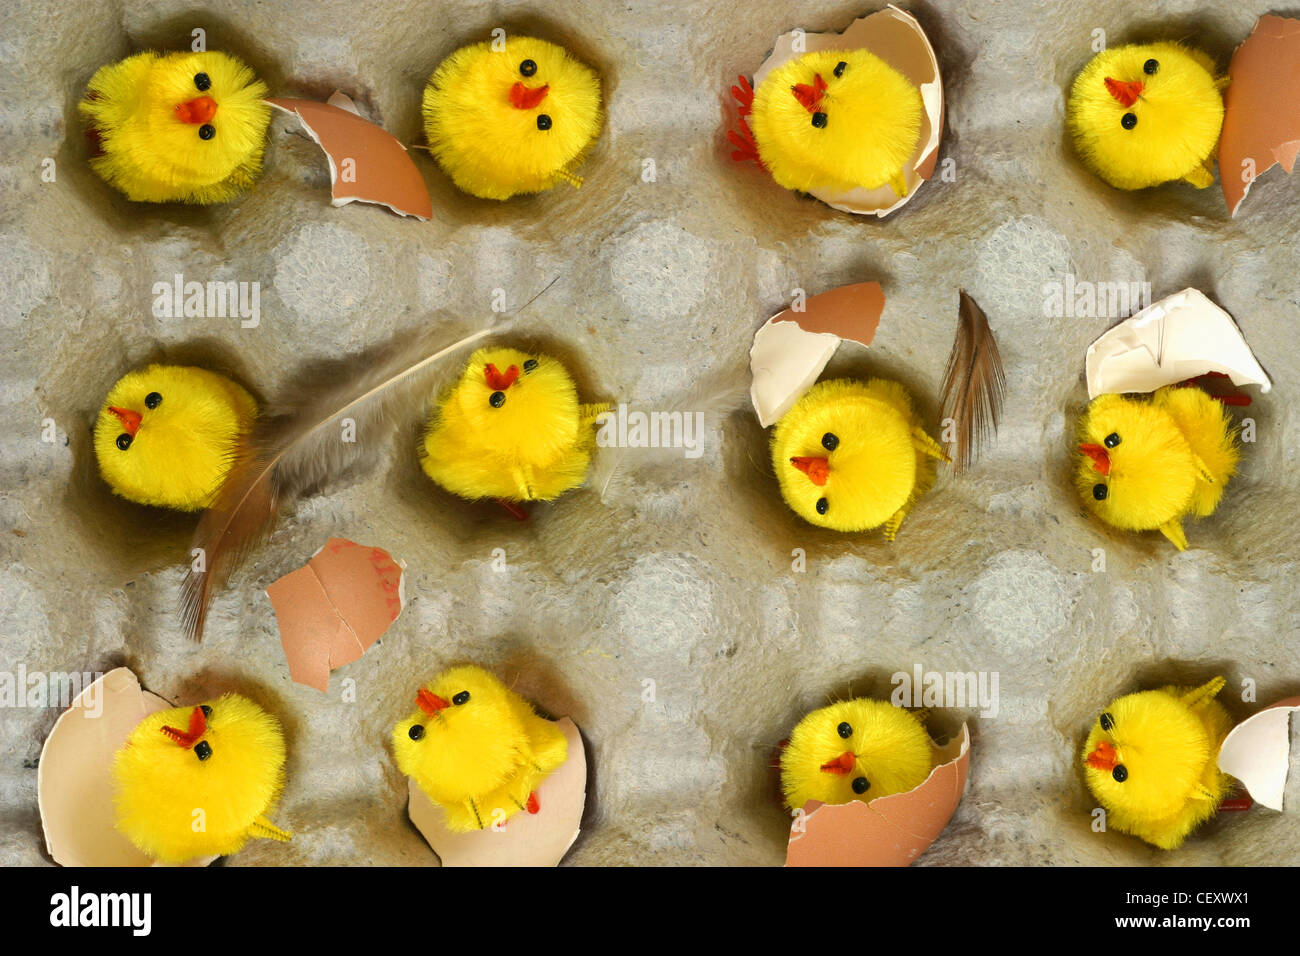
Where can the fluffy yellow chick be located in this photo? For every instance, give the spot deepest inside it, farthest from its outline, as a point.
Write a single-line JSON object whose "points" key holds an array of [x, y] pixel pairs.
{"points": [[511, 429], [167, 435], [1151, 759], [199, 781], [852, 455], [854, 750], [177, 127], [511, 117], [1146, 114], [836, 119], [477, 749], [1146, 464]]}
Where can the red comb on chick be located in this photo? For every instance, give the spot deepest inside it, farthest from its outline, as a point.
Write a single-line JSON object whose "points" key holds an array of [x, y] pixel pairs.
{"points": [[429, 702], [1125, 92], [525, 98], [843, 764], [1104, 757], [188, 738], [497, 381], [1100, 458], [810, 97]]}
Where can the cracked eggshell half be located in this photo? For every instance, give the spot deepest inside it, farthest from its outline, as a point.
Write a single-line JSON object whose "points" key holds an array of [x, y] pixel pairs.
{"points": [[889, 831], [1258, 752]]}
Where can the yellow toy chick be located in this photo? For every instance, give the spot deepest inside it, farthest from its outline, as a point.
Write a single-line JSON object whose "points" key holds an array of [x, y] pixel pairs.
{"points": [[167, 435], [1151, 759], [1146, 464], [511, 429], [477, 749], [857, 749], [833, 119], [220, 764], [852, 455], [511, 118], [1146, 114], [177, 127]]}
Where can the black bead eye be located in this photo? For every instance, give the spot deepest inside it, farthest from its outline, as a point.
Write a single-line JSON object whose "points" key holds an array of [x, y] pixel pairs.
{"points": [[1120, 773], [1128, 121], [823, 506], [1107, 722], [207, 131], [207, 711], [845, 730], [497, 399], [528, 67], [124, 441], [1100, 491], [819, 120], [202, 81], [543, 121], [203, 750], [1111, 440], [860, 784], [152, 400], [416, 732], [839, 68], [830, 441], [529, 365], [1150, 67], [461, 698]]}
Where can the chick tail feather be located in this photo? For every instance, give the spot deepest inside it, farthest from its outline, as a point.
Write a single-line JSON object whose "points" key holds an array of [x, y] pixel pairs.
{"points": [[296, 448], [974, 384]]}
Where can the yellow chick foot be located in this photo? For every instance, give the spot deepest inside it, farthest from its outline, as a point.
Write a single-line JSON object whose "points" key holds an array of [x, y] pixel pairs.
{"points": [[168, 434], [831, 120], [477, 749], [852, 455], [177, 127], [857, 749], [198, 781], [1151, 760], [511, 119], [1146, 114], [511, 429], [1146, 464]]}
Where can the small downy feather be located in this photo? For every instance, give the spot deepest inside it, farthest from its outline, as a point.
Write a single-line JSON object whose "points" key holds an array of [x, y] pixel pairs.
{"points": [[295, 448], [974, 383]]}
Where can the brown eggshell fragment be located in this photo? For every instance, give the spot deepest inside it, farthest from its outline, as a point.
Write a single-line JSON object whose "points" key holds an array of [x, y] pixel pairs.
{"points": [[524, 839], [897, 38], [74, 781], [367, 164], [791, 348], [1261, 118], [889, 831]]}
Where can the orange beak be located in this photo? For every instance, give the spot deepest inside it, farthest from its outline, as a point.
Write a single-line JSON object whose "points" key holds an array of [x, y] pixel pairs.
{"points": [[843, 764], [130, 420], [201, 109], [1105, 757], [526, 98], [1100, 458], [430, 702], [499, 381], [1126, 93], [817, 469]]}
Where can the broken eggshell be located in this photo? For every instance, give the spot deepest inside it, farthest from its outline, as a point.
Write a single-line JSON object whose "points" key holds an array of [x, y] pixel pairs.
{"points": [[1257, 752], [1261, 107], [897, 38], [378, 168], [74, 780], [888, 831], [524, 839], [791, 348]]}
